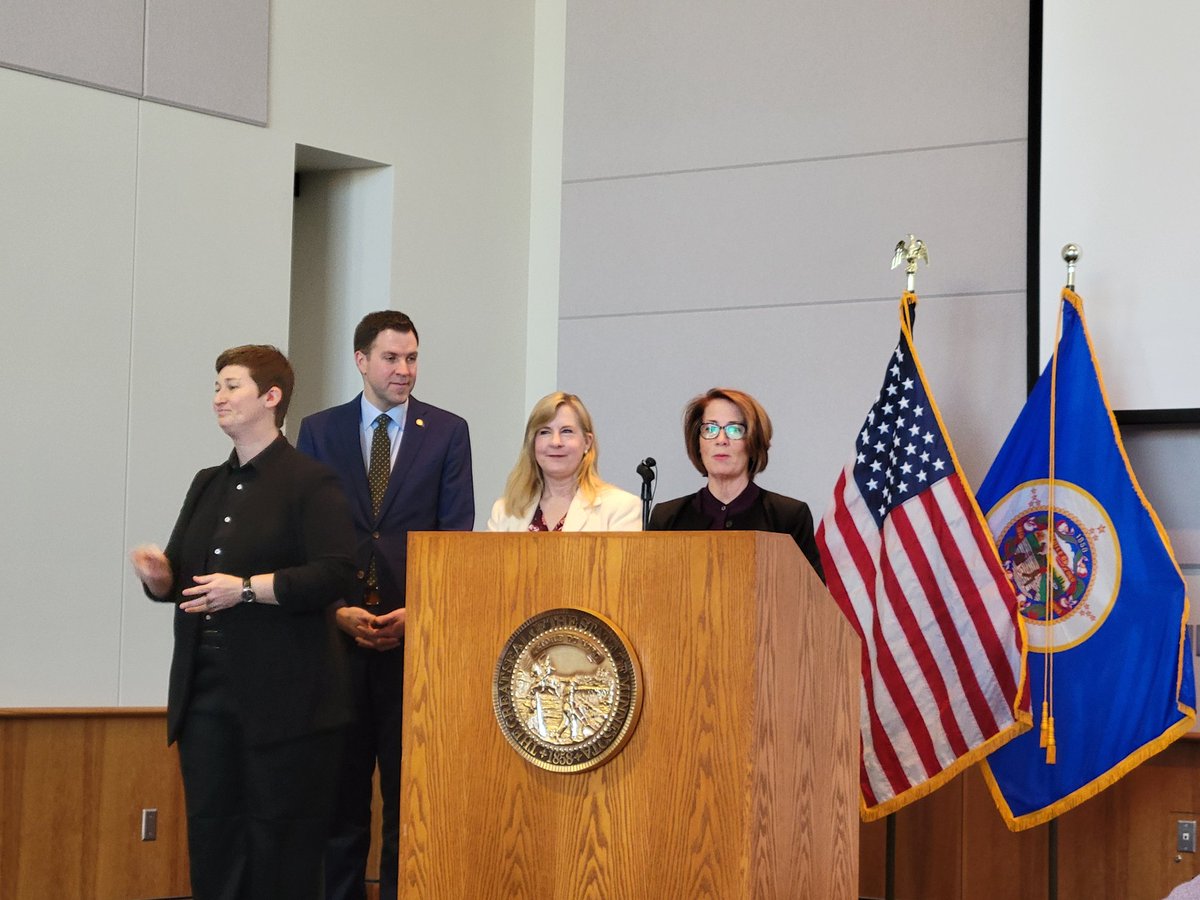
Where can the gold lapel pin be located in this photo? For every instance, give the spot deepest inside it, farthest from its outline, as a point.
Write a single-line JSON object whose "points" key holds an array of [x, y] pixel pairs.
{"points": [[420, 423]]}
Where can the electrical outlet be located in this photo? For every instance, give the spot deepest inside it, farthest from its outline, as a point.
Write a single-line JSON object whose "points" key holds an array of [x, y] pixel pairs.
{"points": [[150, 824], [1185, 836]]}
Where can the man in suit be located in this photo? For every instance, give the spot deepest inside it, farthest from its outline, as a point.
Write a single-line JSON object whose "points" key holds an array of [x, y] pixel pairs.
{"points": [[405, 466]]}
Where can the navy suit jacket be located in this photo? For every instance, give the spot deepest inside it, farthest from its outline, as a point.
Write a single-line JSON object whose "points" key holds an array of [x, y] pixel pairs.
{"points": [[430, 488]]}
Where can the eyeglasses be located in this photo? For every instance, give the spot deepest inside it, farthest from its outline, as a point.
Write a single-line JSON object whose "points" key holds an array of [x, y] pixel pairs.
{"points": [[735, 431]]}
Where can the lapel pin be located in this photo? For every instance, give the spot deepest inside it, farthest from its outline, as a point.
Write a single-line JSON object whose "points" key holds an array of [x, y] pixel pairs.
{"points": [[420, 423]]}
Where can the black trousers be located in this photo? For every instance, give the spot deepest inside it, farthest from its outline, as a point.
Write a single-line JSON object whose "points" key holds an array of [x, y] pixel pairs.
{"points": [[373, 738], [258, 816]]}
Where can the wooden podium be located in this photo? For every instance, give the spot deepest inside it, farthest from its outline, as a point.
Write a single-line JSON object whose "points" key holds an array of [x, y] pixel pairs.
{"points": [[741, 778]]}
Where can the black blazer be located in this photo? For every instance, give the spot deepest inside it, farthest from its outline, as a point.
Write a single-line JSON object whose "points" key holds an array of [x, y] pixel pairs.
{"points": [[286, 663], [771, 512]]}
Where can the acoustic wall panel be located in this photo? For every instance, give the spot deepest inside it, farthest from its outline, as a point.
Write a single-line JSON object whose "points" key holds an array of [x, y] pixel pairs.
{"points": [[800, 233], [97, 43], [66, 283], [682, 84], [209, 56]]}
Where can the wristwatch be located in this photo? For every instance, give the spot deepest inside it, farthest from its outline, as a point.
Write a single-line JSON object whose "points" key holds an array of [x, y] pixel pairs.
{"points": [[248, 595]]}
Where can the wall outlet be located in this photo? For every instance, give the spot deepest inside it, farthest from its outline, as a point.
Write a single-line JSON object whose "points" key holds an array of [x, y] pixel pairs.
{"points": [[1185, 836], [150, 824]]}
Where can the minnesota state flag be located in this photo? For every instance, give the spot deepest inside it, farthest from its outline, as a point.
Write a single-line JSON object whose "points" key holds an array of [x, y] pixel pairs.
{"points": [[1104, 603]]}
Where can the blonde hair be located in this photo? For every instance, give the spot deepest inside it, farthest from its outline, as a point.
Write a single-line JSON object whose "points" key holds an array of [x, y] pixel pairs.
{"points": [[525, 482]]}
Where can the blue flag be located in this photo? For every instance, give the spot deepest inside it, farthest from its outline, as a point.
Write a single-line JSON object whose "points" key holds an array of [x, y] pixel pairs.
{"points": [[1104, 604]]}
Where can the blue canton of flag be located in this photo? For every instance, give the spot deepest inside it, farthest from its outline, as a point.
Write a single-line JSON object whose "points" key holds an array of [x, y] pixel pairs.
{"points": [[900, 449], [1104, 603]]}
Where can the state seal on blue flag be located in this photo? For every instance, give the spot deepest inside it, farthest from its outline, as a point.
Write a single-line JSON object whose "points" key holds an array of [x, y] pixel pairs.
{"points": [[1065, 594]]}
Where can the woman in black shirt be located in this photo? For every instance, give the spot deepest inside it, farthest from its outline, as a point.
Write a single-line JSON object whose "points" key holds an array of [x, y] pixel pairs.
{"points": [[257, 697]]}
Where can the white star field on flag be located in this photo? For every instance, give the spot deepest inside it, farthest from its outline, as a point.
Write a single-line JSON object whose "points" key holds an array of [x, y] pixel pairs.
{"points": [[900, 450]]}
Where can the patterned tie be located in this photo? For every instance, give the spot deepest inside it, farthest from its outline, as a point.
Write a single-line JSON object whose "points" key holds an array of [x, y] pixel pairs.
{"points": [[377, 480], [381, 462]]}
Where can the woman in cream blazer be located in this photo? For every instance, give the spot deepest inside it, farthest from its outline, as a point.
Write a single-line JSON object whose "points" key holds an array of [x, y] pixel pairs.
{"points": [[555, 485]]}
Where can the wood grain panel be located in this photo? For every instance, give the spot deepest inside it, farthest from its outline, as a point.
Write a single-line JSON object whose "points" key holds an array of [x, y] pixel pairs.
{"points": [[872, 859], [807, 734], [692, 806], [73, 785], [998, 863], [1121, 844]]}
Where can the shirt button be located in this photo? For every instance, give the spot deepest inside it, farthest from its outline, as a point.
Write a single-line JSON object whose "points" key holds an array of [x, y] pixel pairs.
{"points": [[207, 616], [361, 574], [217, 552], [728, 524], [375, 535], [239, 487], [227, 519], [723, 508]]}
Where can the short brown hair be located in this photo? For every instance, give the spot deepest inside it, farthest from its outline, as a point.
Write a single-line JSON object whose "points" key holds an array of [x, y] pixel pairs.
{"points": [[384, 320], [268, 368], [758, 427]]}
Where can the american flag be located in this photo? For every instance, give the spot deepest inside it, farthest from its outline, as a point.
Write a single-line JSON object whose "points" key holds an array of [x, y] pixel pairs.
{"points": [[910, 561]]}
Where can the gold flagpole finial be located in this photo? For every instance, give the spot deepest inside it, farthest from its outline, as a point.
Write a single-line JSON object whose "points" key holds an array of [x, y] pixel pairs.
{"points": [[908, 252], [1071, 253]]}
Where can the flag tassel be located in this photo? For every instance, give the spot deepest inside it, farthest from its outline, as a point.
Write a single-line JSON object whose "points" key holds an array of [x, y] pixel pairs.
{"points": [[1047, 725], [1051, 746]]}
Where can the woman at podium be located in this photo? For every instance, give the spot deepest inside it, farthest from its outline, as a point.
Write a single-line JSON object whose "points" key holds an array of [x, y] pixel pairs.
{"points": [[555, 485], [727, 434]]}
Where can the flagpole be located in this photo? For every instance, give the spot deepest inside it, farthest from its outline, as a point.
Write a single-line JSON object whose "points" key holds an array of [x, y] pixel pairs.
{"points": [[908, 252], [1070, 255]]}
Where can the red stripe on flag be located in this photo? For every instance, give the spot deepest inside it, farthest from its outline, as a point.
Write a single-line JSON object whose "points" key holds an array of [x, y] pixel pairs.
{"points": [[955, 611], [1003, 654], [861, 562], [910, 622]]}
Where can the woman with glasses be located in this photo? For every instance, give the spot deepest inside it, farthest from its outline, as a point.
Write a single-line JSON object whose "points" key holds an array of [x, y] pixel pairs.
{"points": [[728, 434], [555, 485]]}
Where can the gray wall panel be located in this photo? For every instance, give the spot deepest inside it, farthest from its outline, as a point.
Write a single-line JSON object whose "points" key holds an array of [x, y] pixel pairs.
{"points": [[735, 178], [802, 233], [98, 42], [679, 84], [66, 283], [209, 56]]}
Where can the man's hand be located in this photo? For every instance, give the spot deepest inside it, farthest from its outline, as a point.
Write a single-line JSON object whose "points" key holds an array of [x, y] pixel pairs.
{"points": [[373, 632], [389, 629]]}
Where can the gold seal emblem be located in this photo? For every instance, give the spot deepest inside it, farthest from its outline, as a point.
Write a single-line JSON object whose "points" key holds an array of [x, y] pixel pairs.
{"points": [[567, 690]]}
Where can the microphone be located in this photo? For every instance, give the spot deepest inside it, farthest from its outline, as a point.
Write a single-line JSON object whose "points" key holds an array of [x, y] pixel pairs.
{"points": [[646, 469]]}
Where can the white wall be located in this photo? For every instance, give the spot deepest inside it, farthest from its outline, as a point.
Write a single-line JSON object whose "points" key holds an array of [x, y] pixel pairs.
{"points": [[139, 240], [735, 180], [1119, 178]]}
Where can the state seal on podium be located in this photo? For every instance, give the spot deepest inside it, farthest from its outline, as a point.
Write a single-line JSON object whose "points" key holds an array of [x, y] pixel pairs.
{"points": [[567, 690]]}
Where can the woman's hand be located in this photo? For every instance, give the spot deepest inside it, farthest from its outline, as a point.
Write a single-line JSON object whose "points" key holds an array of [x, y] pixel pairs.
{"points": [[212, 593], [153, 568]]}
